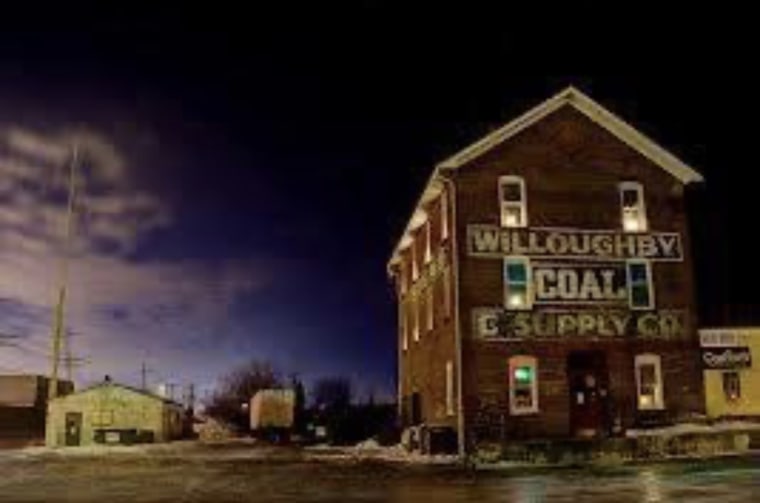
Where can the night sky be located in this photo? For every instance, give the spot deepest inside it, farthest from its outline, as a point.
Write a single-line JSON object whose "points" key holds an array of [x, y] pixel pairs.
{"points": [[250, 171]]}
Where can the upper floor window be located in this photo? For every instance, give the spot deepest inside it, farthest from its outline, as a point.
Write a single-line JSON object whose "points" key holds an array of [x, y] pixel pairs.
{"points": [[415, 319], [523, 385], [429, 314], [444, 216], [632, 207], [517, 281], [415, 267], [403, 328], [649, 382], [447, 292], [512, 202], [428, 242], [403, 279]]}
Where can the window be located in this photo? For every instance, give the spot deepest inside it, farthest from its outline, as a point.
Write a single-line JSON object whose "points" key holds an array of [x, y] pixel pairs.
{"points": [[523, 385], [512, 202], [403, 279], [732, 388], [428, 243], [449, 388], [649, 382], [444, 216], [429, 315], [447, 292], [517, 290], [640, 289], [633, 210], [102, 418], [415, 269], [415, 320], [403, 328]]}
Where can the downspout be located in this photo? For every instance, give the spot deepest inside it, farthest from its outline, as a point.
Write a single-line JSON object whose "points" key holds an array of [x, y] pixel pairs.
{"points": [[449, 183]]}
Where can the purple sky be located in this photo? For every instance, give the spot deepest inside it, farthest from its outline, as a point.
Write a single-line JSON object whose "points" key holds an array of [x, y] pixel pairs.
{"points": [[247, 176]]}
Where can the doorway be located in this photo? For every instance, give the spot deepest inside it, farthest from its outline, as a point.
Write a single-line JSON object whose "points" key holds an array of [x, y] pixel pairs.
{"points": [[73, 428], [588, 381]]}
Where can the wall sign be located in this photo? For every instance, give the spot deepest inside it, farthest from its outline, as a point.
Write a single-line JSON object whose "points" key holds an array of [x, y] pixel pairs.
{"points": [[576, 284], [500, 324], [485, 240], [726, 357]]}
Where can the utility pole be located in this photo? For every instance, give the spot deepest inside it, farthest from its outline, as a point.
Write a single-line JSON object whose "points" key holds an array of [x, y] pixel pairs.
{"points": [[144, 374], [63, 273]]}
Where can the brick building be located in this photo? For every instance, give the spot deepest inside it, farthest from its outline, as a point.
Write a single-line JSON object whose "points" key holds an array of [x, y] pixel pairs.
{"points": [[545, 284]]}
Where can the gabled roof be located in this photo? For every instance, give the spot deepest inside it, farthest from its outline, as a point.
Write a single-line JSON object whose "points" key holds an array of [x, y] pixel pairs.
{"points": [[569, 96], [112, 384]]}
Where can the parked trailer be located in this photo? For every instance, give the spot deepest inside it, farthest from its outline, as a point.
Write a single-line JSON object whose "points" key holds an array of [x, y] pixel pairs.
{"points": [[272, 413]]}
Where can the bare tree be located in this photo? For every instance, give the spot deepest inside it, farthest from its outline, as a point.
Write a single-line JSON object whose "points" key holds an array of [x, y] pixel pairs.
{"points": [[230, 401]]}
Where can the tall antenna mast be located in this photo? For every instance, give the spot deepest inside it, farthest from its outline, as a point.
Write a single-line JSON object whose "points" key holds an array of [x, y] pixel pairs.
{"points": [[63, 276]]}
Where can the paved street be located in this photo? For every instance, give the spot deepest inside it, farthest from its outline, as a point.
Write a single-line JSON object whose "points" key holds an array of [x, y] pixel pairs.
{"points": [[244, 473]]}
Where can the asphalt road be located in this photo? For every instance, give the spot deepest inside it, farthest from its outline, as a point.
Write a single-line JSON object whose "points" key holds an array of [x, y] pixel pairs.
{"points": [[239, 475]]}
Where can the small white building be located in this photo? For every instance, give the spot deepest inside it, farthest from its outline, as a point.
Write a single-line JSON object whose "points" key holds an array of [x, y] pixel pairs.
{"points": [[112, 413]]}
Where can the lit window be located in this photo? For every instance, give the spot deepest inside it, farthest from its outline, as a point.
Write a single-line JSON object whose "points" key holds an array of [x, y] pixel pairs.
{"points": [[403, 328], [517, 291], [449, 388], [444, 216], [403, 279], [429, 315], [649, 382], [428, 244], [447, 292], [633, 210], [732, 388], [415, 320], [102, 418], [640, 288], [512, 202], [523, 385], [415, 269]]}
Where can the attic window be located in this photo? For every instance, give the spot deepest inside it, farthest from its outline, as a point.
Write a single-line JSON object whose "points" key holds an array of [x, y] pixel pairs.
{"points": [[512, 203], [632, 207]]}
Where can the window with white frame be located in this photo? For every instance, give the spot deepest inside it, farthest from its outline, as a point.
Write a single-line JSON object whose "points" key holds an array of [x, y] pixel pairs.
{"points": [[732, 386], [444, 216], [632, 207], [523, 385], [403, 278], [517, 283], [428, 241], [449, 388], [640, 285], [403, 328], [512, 203], [415, 319], [415, 268], [649, 382], [429, 314], [447, 292]]}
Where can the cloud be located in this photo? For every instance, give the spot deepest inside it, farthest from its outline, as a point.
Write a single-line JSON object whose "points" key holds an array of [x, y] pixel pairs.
{"points": [[120, 308]]}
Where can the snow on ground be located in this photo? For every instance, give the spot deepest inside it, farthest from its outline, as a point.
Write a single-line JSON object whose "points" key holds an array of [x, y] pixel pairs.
{"points": [[371, 450], [694, 428]]}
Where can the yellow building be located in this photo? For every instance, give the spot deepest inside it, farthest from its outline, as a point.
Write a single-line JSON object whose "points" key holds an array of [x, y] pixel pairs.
{"points": [[731, 363], [112, 413]]}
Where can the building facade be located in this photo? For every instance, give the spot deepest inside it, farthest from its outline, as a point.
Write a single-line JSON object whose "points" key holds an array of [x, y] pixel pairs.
{"points": [[731, 362], [112, 413], [23, 405], [545, 284]]}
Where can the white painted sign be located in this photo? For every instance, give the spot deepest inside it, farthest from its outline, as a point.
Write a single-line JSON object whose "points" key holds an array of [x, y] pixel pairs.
{"points": [[493, 241], [500, 324]]}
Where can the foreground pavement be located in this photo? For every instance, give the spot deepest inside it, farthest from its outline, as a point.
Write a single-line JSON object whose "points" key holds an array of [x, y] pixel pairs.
{"points": [[245, 472]]}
